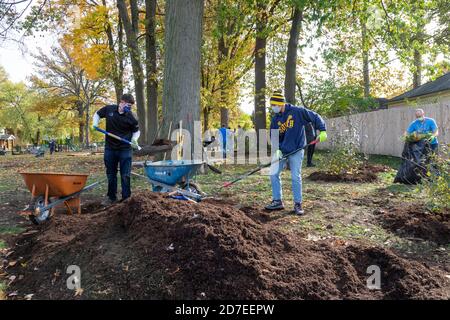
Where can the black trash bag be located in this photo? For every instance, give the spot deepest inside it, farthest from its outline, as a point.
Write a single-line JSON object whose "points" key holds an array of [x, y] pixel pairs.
{"points": [[416, 156]]}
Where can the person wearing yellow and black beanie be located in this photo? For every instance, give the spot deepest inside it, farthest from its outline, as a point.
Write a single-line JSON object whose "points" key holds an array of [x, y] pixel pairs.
{"points": [[277, 100], [290, 121]]}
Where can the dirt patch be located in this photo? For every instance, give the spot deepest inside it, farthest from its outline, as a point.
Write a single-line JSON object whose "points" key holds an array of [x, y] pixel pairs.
{"points": [[91, 206], [367, 173], [414, 220], [151, 247]]}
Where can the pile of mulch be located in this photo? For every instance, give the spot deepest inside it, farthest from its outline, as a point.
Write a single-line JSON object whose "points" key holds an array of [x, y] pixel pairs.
{"points": [[415, 220], [367, 173], [151, 247]]}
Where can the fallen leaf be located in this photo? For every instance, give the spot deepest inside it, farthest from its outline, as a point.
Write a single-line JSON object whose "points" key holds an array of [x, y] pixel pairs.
{"points": [[29, 296], [12, 263], [79, 292], [13, 294]]}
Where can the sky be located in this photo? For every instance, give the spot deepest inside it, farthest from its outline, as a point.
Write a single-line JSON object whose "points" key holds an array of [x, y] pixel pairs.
{"points": [[16, 62]]}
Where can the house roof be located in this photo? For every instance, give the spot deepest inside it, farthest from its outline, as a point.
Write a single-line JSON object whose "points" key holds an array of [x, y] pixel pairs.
{"points": [[440, 84]]}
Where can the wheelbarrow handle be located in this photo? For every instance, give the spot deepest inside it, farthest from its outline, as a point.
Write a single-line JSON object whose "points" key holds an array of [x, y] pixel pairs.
{"points": [[112, 135], [70, 196]]}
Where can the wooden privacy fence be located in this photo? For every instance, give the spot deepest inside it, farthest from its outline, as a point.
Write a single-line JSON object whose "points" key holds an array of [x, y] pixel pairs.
{"points": [[380, 132]]}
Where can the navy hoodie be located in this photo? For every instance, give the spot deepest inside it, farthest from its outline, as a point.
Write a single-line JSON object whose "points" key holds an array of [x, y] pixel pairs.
{"points": [[291, 124]]}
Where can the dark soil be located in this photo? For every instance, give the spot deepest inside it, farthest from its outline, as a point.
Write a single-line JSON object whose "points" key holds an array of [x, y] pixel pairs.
{"points": [[151, 247], [416, 221], [91, 206], [367, 173]]}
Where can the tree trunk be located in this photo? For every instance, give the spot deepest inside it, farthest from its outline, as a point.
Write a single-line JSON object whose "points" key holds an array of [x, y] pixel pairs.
{"points": [[183, 39], [291, 58], [38, 137], [365, 56], [131, 30], [120, 52], [223, 55], [152, 84], [205, 119], [117, 76], [81, 121], [417, 75], [418, 41], [86, 138], [224, 117], [260, 82], [260, 67]]}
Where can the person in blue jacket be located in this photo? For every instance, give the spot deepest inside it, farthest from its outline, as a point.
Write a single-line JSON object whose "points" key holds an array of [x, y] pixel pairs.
{"points": [[424, 125], [224, 134], [290, 121]]}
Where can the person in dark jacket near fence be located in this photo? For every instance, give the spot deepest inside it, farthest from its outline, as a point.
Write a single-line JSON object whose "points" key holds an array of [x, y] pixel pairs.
{"points": [[52, 146], [121, 122], [290, 121], [310, 136]]}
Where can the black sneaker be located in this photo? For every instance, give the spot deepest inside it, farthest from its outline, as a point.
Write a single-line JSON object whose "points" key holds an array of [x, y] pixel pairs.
{"points": [[310, 165], [298, 210], [275, 205], [108, 202]]}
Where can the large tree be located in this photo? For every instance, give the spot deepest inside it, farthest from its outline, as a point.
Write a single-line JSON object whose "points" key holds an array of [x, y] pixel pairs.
{"points": [[131, 27], [264, 27], [58, 74], [291, 57], [151, 69], [227, 55], [415, 29], [183, 39]]}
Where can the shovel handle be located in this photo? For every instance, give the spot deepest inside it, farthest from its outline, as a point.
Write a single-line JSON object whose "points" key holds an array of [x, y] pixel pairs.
{"points": [[112, 135]]}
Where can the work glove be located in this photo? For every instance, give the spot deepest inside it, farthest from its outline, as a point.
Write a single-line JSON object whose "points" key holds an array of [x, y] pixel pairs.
{"points": [[277, 155], [429, 137], [322, 136]]}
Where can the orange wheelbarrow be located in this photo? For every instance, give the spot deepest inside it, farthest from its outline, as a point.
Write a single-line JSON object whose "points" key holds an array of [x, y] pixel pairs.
{"points": [[52, 190]]}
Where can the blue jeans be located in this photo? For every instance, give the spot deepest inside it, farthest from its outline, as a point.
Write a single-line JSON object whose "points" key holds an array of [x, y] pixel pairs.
{"points": [[295, 164], [113, 159]]}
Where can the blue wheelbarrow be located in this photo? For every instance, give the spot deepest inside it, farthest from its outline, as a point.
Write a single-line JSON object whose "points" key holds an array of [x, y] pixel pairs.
{"points": [[174, 177]]}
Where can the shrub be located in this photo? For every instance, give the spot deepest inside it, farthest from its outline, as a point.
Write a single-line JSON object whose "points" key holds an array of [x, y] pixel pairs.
{"points": [[436, 185], [344, 156]]}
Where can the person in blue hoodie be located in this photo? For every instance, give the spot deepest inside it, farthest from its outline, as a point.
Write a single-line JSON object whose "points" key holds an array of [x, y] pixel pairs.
{"points": [[291, 121], [224, 132]]}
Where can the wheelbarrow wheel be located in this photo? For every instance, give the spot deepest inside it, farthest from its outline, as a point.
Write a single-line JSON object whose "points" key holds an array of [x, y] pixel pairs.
{"points": [[192, 187], [39, 202]]}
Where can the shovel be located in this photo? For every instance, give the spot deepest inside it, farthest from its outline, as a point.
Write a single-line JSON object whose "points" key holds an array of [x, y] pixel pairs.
{"points": [[227, 184], [118, 138]]}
